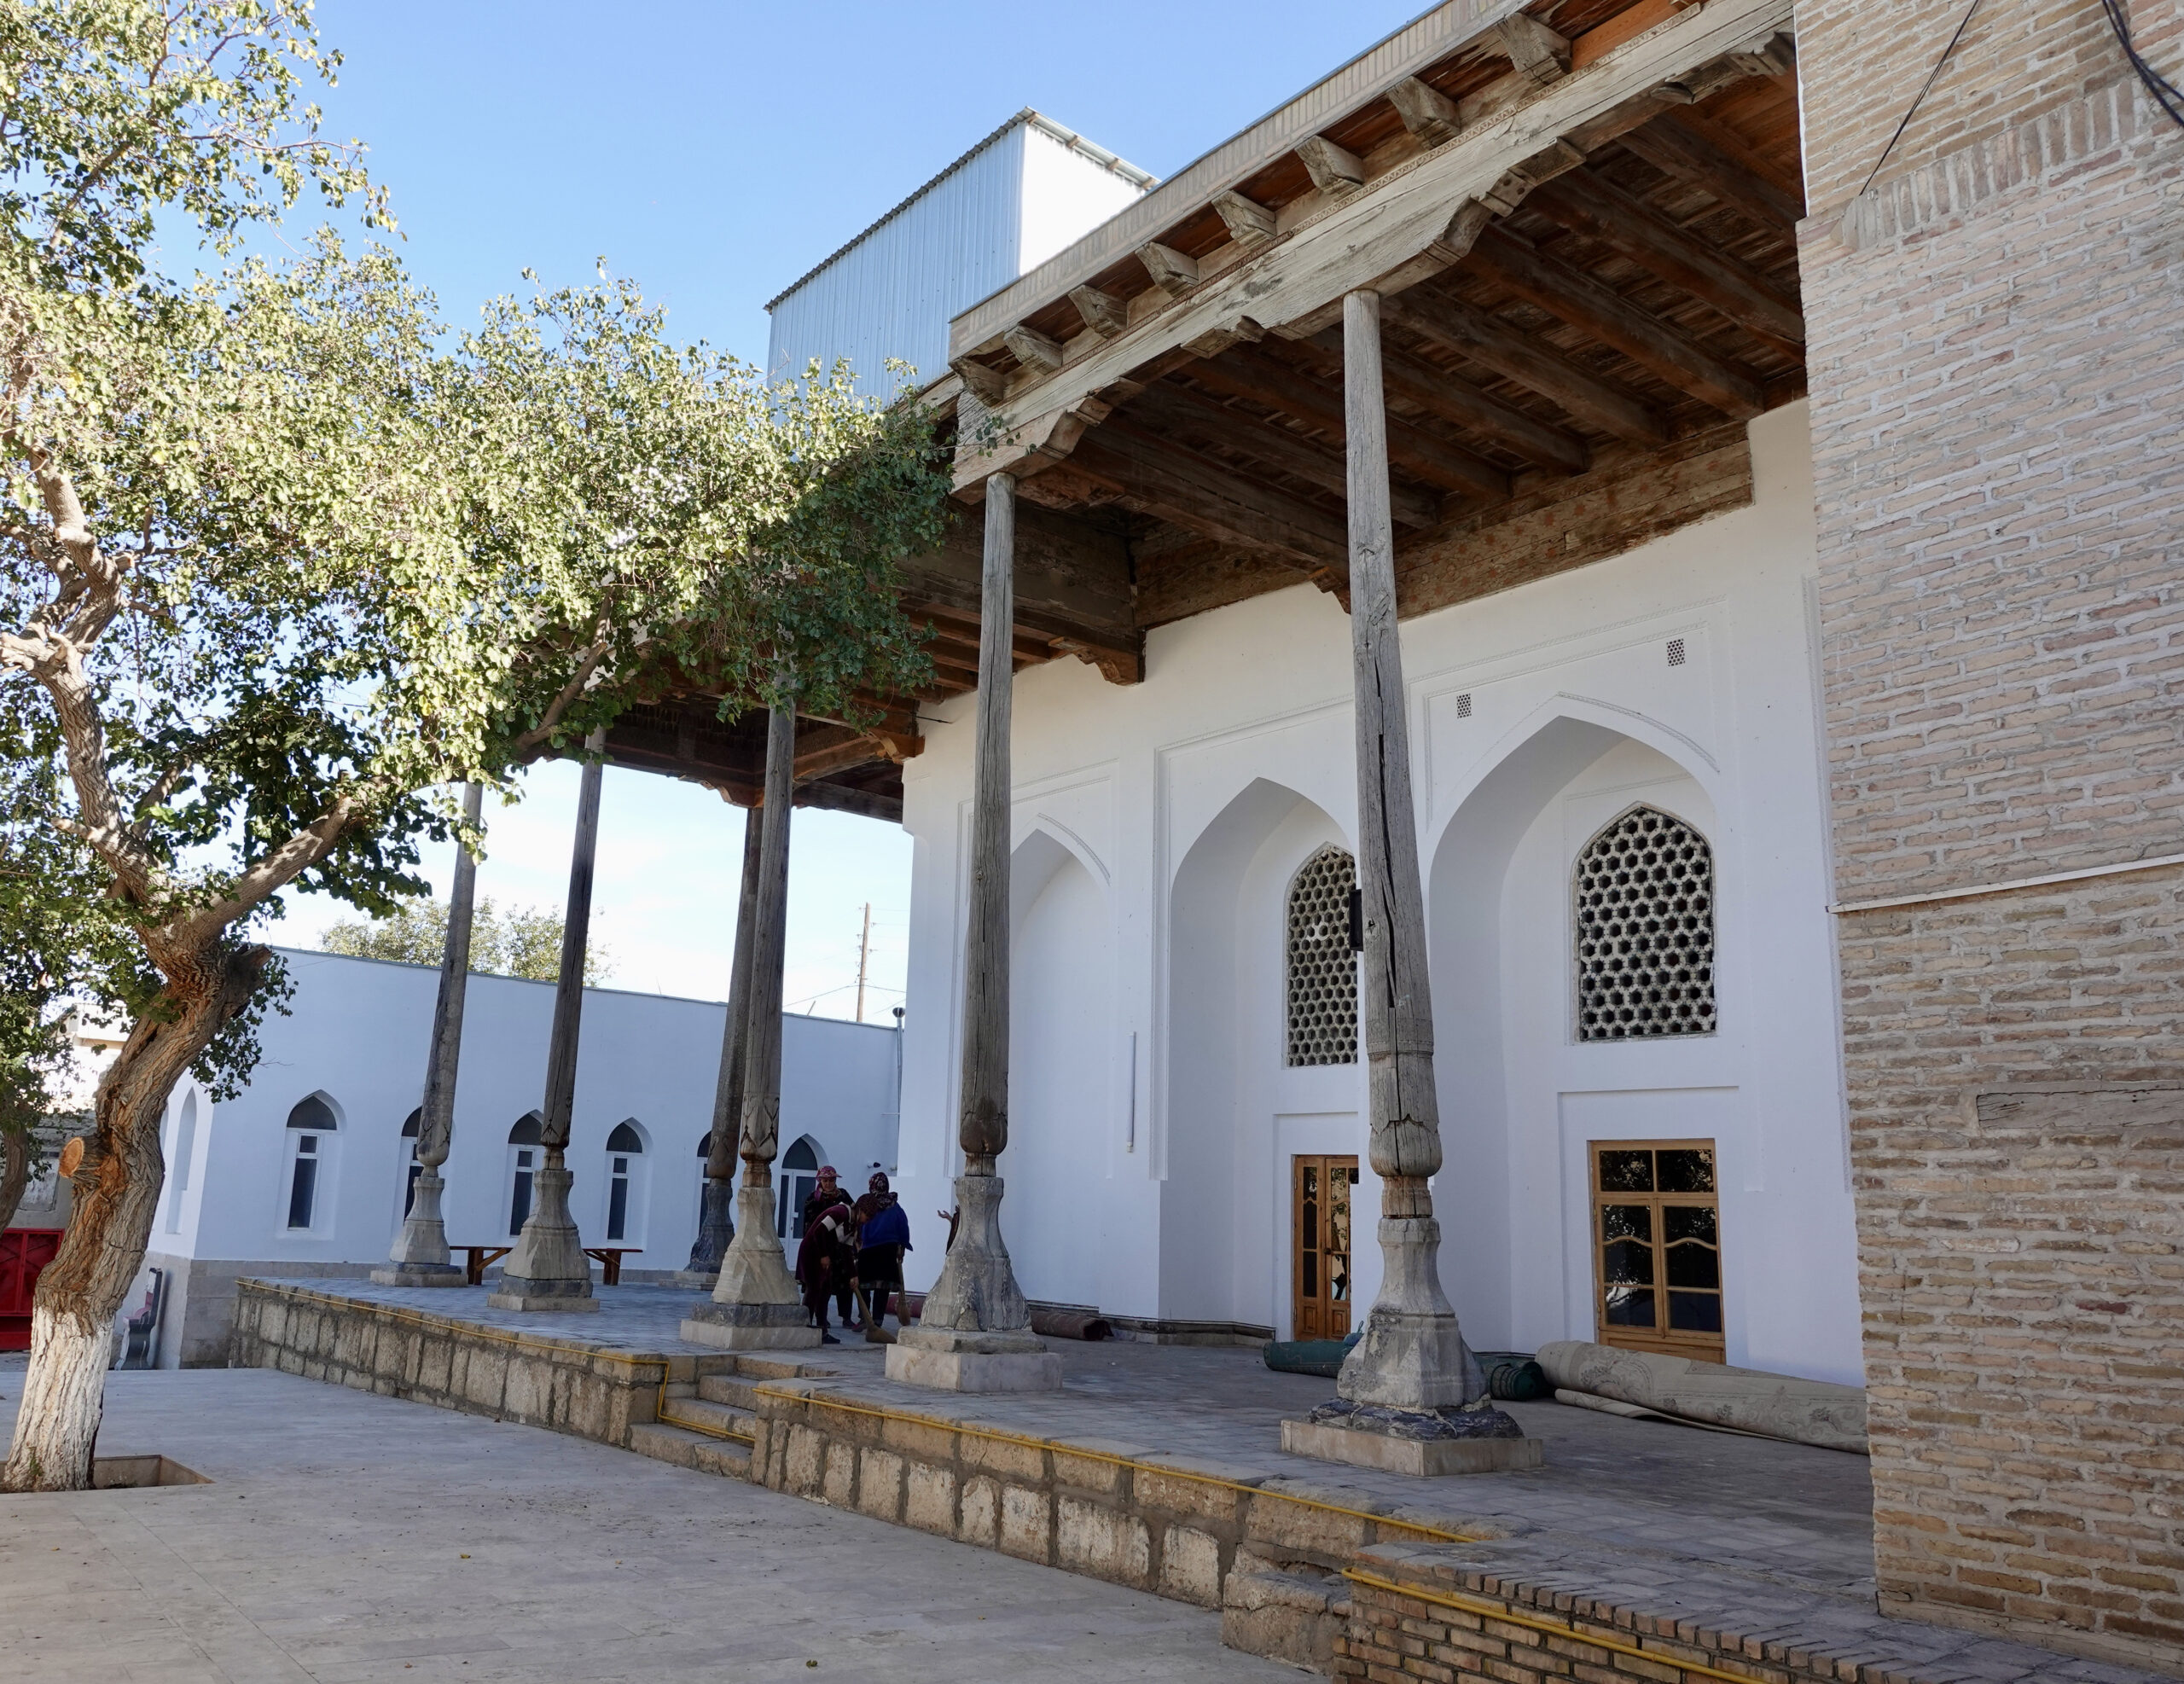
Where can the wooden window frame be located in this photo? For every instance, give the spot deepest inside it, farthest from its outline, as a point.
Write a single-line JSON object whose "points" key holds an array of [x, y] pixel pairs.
{"points": [[1660, 1338]]}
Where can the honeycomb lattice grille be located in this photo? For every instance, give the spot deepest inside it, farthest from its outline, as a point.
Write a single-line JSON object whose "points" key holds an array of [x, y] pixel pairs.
{"points": [[1322, 966], [1645, 897]]}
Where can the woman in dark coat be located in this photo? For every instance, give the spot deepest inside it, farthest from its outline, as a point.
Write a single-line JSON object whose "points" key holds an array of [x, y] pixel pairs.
{"points": [[883, 1234], [823, 1261]]}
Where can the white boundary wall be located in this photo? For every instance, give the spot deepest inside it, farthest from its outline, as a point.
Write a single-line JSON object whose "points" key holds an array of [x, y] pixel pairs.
{"points": [[356, 1035]]}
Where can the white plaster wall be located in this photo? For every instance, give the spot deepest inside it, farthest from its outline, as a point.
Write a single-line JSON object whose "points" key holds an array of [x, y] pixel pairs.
{"points": [[1066, 194], [1200, 790], [356, 1033]]}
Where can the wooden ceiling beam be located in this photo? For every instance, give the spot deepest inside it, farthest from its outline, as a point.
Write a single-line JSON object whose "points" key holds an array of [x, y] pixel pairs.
{"points": [[1214, 500], [1456, 400], [1269, 443], [1673, 148], [1591, 205], [1268, 380], [1604, 314], [1476, 336]]}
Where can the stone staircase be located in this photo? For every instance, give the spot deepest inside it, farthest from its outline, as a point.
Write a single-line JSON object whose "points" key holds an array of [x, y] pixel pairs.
{"points": [[710, 1424]]}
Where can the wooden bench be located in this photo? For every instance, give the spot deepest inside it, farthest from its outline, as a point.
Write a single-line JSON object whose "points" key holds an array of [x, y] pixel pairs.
{"points": [[479, 1258]]}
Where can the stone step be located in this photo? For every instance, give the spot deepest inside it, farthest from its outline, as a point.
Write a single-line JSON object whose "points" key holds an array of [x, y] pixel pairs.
{"points": [[780, 1368], [668, 1443], [701, 1416], [731, 1389]]}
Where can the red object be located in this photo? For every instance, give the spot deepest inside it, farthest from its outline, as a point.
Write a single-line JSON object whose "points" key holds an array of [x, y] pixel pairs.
{"points": [[24, 1254]]}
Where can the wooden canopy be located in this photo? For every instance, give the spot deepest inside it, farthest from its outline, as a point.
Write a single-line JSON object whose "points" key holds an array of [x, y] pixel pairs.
{"points": [[1581, 221]]}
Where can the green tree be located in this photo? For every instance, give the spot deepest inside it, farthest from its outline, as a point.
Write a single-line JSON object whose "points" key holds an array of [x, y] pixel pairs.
{"points": [[278, 566], [523, 941]]}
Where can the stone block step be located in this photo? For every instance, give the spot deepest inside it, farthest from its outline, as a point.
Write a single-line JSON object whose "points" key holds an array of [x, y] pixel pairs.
{"points": [[780, 1368], [665, 1443], [700, 1416], [730, 1389]]}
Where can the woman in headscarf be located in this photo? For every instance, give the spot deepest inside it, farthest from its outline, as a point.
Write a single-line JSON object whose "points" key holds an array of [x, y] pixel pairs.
{"points": [[823, 1261], [883, 1234]]}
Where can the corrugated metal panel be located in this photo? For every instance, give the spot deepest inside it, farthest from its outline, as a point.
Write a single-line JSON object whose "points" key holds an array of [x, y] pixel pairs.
{"points": [[1023, 192], [1411, 48], [891, 292]]}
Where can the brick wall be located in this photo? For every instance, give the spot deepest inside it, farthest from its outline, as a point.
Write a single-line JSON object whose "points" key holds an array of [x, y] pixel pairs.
{"points": [[1996, 363]]}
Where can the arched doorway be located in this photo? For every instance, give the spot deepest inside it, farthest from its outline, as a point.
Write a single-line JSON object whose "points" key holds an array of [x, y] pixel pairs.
{"points": [[1262, 1068], [524, 1163], [1564, 1042], [800, 1176], [1062, 1118]]}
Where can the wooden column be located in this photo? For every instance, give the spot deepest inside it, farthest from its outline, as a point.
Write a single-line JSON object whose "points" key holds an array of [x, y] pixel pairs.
{"points": [[420, 1254], [548, 1268], [755, 1302], [1411, 1355], [716, 1225], [974, 1332]]}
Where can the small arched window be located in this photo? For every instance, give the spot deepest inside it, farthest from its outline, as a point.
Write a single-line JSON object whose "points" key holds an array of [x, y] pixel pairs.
{"points": [[411, 1126], [1643, 893], [523, 1164], [311, 1126], [623, 1147], [1322, 971], [799, 1181]]}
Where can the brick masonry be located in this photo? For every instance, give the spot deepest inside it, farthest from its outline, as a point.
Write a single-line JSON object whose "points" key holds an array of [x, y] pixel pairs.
{"points": [[1996, 365], [1531, 1612]]}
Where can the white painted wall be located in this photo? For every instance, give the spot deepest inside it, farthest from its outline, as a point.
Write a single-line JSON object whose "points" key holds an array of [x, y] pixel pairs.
{"points": [[1185, 804], [1024, 193], [356, 1034]]}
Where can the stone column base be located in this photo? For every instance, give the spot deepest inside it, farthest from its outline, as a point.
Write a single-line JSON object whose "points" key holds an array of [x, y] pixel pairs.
{"points": [[750, 1326], [948, 1360], [419, 1275], [516, 1292], [1421, 1458], [696, 1280]]}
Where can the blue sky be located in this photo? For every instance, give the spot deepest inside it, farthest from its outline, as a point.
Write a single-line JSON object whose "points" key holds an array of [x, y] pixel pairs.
{"points": [[714, 151]]}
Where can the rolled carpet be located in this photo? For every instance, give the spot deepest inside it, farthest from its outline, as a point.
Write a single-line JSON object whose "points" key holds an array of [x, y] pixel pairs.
{"points": [[1747, 1400]]}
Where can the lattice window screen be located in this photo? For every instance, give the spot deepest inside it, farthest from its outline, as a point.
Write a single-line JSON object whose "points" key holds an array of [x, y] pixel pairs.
{"points": [[1645, 894], [1323, 966]]}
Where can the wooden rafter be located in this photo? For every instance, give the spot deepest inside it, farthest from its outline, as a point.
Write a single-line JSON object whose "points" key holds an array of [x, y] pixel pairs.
{"points": [[1604, 314], [1471, 333], [1589, 204]]}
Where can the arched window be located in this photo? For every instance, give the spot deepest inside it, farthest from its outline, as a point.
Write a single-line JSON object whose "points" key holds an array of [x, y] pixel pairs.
{"points": [[312, 1127], [523, 1164], [625, 1147], [412, 1168], [799, 1180], [1323, 961], [1644, 890]]}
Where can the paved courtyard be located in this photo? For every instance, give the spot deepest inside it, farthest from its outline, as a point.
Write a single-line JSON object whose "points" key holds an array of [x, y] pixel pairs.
{"points": [[346, 1537]]}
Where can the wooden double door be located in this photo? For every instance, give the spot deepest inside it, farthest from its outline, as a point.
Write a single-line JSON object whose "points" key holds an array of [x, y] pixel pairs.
{"points": [[1321, 1190]]}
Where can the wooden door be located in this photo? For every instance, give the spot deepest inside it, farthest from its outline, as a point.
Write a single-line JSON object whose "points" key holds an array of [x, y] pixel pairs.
{"points": [[1320, 1192], [1657, 1247]]}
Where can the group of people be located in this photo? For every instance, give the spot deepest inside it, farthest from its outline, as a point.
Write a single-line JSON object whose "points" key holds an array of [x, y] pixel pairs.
{"points": [[851, 1256]]}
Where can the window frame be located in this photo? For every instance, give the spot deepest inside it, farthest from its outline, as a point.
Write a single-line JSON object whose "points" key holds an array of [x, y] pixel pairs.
{"points": [[1661, 1338]]}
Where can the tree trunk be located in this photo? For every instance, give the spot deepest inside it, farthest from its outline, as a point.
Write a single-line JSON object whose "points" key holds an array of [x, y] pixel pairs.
{"points": [[117, 1194], [16, 1156]]}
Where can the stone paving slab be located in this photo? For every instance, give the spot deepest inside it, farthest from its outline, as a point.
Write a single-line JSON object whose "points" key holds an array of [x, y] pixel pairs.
{"points": [[347, 1538]]}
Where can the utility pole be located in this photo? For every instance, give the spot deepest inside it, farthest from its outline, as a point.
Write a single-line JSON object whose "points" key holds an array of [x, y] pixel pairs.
{"points": [[863, 954]]}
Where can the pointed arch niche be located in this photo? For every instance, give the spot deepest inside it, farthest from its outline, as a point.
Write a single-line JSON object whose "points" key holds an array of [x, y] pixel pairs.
{"points": [[1237, 1109], [1064, 1109], [1521, 1092]]}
